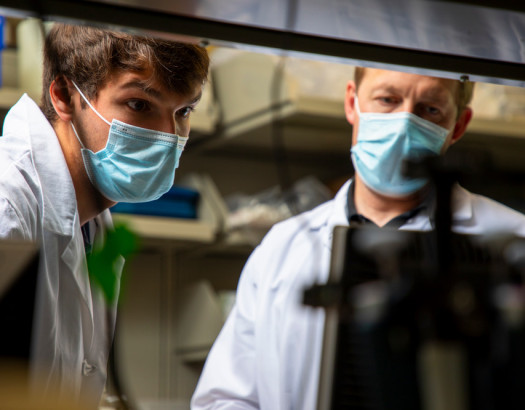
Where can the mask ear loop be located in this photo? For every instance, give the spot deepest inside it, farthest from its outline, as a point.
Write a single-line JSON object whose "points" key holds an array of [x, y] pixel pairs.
{"points": [[356, 106], [90, 106], [94, 110], [76, 135]]}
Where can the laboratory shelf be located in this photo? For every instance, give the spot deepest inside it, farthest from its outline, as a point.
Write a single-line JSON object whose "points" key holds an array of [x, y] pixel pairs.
{"points": [[500, 127], [9, 96], [307, 124], [154, 227]]}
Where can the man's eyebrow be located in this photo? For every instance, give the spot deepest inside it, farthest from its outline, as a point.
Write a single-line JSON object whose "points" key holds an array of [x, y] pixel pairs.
{"points": [[143, 86], [146, 87], [434, 95], [196, 99], [385, 87]]}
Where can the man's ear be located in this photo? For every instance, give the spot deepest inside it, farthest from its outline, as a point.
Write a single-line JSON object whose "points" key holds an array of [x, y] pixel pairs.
{"points": [[59, 92], [350, 102], [461, 125]]}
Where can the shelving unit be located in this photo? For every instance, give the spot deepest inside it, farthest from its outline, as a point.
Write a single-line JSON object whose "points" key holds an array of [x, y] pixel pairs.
{"points": [[170, 229], [512, 127], [171, 312], [309, 124], [9, 96], [10, 92]]}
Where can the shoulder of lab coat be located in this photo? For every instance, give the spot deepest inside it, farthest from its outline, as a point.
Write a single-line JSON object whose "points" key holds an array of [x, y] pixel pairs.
{"points": [[35, 178], [237, 375], [38, 202], [477, 214]]}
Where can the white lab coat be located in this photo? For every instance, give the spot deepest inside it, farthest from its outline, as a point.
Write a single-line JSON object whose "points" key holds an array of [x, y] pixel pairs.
{"points": [[73, 327], [267, 355]]}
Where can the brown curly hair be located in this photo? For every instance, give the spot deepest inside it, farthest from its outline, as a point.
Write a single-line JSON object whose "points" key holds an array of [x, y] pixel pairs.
{"points": [[89, 56]]}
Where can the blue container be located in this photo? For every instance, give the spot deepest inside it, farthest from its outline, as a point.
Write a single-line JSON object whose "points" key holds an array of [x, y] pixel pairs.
{"points": [[178, 202], [2, 46]]}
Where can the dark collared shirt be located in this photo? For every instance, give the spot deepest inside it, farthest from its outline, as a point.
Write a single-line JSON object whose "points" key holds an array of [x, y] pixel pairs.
{"points": [[88, 233], [356, 219]]}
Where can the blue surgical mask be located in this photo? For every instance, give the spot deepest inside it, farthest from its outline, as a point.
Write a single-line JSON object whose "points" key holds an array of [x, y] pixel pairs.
{"points": [[384, 141], [136, 165]]}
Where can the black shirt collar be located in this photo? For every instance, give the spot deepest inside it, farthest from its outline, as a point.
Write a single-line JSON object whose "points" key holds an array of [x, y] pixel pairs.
{"points": [[355, 219]]}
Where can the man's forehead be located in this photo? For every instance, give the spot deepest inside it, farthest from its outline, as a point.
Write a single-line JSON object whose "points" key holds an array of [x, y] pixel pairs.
{"points": [[147, 82], [397, 79]]}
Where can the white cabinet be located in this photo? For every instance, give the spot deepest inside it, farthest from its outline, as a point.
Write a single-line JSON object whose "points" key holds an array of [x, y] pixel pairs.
{"points": [[170, 311]]}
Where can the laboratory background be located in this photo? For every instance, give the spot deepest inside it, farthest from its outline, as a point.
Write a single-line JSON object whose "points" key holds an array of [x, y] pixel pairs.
{"points": [[269, 139]]}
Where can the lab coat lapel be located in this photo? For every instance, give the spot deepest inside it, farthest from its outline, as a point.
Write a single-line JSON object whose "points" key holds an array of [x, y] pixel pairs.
{"points": [[59, 199], [77, 267], [336, 217]]}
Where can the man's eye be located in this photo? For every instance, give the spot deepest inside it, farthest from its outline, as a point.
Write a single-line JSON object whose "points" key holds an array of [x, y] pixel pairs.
{"points": [[433, 110], [388, 100], [185, 112], [138, 105]]}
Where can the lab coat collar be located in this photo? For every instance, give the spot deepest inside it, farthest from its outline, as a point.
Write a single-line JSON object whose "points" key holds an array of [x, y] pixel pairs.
{"points": [[461, 211], [461, 204], [58, 216], [423, 221]]}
